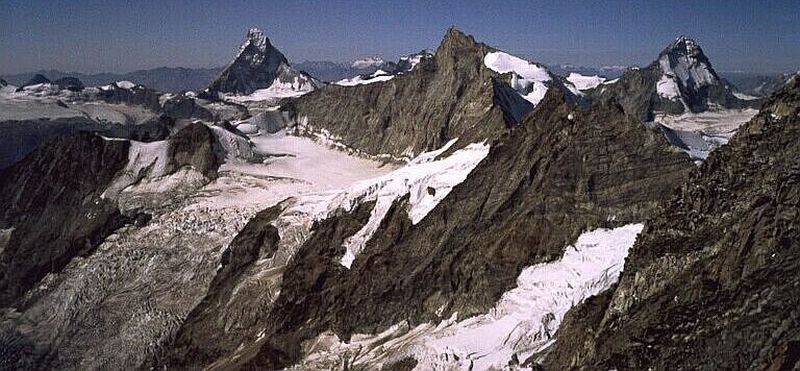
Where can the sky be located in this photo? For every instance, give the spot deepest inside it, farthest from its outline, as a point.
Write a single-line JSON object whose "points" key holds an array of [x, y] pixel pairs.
{"points": [[121, 36]]}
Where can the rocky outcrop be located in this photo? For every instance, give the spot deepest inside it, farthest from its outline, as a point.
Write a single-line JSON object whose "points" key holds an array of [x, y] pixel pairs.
{"points": [[681, 80], [132, 95], [560, 176], [194, 146], [711, 282], [183, 107], [52, 206], [258, 65], [69, 83]]}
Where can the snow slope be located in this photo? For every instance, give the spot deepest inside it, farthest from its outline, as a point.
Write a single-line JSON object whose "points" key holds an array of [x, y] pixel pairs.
{"points": [[425, 178], [585, 82], [527, 78], [522, 322]]}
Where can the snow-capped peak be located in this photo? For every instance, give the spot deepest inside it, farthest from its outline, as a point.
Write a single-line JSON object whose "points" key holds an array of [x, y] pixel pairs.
{"points": [[684, 60], [368, 62], [256, 38]]}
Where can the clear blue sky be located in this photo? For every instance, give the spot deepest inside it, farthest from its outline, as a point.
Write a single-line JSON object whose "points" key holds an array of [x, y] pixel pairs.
{"points": [[119, 36]]}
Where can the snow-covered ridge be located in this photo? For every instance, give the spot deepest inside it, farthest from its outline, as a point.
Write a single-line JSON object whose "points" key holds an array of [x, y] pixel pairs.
{"points": [[521, 324], [582, 82], [377, 76], [427, 181], [527, 78]]}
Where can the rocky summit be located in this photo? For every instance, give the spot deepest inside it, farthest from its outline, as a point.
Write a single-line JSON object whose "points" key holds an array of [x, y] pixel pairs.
{"points": [[259, 65], [681, 80], [458, 206]]}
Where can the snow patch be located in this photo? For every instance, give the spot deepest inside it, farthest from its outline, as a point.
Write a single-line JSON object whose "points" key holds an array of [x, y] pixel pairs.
{"points": [[278, 90], [426, 179], [527, 78], [585, 82], [522, 322], [667, 88]]}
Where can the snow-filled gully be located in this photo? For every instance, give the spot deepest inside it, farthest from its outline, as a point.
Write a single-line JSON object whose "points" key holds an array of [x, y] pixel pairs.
{"points": [[521, 323]]}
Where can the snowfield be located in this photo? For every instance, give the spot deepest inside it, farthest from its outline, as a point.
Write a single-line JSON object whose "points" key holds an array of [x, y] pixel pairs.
{"points": [[582, 82], [698, 134], [522, 322], [377, 76], [527, 78]]}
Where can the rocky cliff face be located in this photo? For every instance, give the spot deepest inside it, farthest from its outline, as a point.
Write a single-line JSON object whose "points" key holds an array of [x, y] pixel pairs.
{"points": [[258, 65], [681, 80], [711, 283], [560, 176], [52, 207], [450, 95]]}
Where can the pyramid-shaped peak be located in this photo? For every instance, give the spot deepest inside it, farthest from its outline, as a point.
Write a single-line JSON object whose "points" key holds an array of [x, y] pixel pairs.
{"points": [[256, 38], [684, 45]]}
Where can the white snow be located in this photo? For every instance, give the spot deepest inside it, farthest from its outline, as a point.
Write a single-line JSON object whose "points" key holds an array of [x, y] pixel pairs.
{"points": [[611, 81], [667, 88], [527, 78], [426, 180], [368, 62], [377, 76], [706, 131], [125, 84], [744, 96], [278, 90], [249, 129], [585, 82], [522, 322]]}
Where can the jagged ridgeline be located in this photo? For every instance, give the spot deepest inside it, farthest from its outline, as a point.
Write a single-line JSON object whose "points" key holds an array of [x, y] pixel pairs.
{"points": [[712, 281], [455, 94]]}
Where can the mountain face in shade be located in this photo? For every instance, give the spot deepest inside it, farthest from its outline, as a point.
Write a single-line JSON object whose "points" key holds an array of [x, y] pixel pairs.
{"points": [[711, 283], [69, 83], [259, 65], [681, 80]]}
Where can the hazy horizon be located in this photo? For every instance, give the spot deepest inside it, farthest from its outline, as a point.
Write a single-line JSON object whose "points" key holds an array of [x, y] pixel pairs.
{"points": [[115, 37]]}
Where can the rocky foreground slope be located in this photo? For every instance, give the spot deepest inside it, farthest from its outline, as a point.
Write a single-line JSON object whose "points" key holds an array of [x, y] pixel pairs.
{"points": [[712, 281]]}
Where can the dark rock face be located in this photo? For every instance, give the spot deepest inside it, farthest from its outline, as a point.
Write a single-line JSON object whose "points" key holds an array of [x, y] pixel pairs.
{"points": [[183, 107], [3, 82], [560, 177], [70, 83], [51, 201], [194, 146], [712, 281], [683, 64], [36, 79], [447, 96], [257, 66], [29, 134], [137, 95]]}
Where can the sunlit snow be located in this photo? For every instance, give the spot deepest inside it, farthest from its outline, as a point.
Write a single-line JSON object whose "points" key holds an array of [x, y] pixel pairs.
{"points": [[522, 322], [527, 78]]}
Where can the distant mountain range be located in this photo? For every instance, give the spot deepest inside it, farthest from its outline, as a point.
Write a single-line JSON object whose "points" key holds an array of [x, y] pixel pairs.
{"points": [[167, 79], [177, 79]]}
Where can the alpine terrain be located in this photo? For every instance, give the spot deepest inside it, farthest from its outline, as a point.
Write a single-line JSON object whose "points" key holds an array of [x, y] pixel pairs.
{"points": [[456, 208]]}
